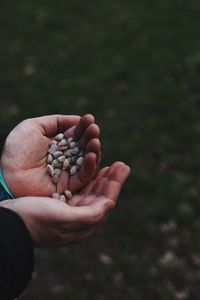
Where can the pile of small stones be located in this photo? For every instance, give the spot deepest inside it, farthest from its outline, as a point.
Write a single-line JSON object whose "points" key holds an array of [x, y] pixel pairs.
{"points": [[64, 154]]}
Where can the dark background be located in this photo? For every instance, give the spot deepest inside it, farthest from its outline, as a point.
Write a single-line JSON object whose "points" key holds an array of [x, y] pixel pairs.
{"points": [[136, 66]]}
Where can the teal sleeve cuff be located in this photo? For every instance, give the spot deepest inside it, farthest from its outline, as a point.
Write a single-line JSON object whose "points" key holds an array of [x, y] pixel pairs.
{"points": [[5, 193]]}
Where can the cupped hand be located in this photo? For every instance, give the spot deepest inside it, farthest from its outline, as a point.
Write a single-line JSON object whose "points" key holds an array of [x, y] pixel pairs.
{"points": [[52, 222], [24, 155]]}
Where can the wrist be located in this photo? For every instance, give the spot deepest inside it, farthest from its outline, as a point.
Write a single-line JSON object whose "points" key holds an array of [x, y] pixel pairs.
{"points": [[5, 192]]}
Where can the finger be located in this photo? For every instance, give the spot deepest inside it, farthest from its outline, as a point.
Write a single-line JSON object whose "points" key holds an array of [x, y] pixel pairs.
{"points": [[89, 215], [84, 123], [87, 190], [85, 198], [62, 184], [112, 181], [91, 132], [53, 124], [94, 145], [85, 174], [101, 181], [113, 185]]}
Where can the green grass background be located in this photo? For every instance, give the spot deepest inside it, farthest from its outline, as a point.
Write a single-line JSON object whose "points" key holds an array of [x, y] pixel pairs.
{"points": [[136, 66]]}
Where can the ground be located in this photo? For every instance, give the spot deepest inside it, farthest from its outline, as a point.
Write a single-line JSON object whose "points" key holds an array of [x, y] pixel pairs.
{"points": [[136, 66]]}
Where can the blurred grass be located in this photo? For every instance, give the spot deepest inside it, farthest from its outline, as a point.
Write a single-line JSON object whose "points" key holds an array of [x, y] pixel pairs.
{"points": [[136, 67]]}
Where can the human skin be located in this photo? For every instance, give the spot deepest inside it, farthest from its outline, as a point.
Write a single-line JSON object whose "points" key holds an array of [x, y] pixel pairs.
{"points": [[52, 222], [23, 159]]}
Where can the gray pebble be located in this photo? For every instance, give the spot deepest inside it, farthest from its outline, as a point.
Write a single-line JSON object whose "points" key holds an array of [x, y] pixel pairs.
{"points": [[57, 172], [57, 154], [75, 151], [62, 198], [67, 153], [73, 159], [72, 145], [81, 153], [70, 140], [65, 164], [53, 149], [56, 164], [49, 159], [56, 196], [61, 158], [73, 170]]}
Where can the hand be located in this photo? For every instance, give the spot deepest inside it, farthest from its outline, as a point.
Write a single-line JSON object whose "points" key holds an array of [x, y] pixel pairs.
{"points": [[52, 222], [24, 156]]}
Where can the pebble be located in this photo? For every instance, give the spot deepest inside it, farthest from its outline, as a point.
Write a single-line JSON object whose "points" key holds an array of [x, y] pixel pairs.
{"points": [[56, 196], [55, 179], [72, 145], [79, 161], [68, 194], [73, 170], [70, 139], [63, 154], [49, 159], [61, 159], [53, 149], [75, 151], [67, 153], [50, 170], [62, 198], [53, 142], [62, 143], [57, 172], [65, 164], [59, 137], [56, 164], [62, 148], [57, 154]]}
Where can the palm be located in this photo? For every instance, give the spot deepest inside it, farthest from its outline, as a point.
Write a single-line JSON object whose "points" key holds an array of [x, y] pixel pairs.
{"points": [[53, 222], [24, 155]]}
